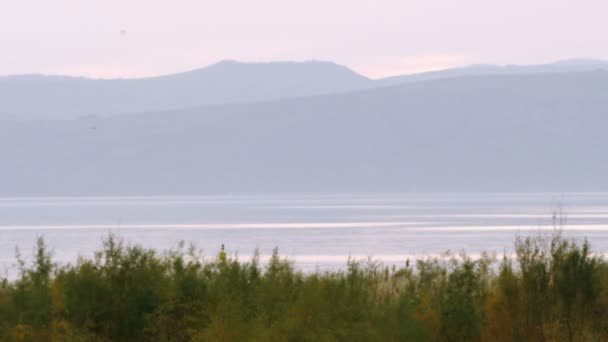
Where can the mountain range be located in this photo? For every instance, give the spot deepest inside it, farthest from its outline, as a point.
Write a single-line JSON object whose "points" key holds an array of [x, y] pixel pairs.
{"points": [[313, 127], [32, 97]]}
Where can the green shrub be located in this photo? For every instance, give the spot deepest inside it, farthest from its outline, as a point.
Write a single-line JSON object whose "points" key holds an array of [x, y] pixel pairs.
{"points": [[554, 289]]}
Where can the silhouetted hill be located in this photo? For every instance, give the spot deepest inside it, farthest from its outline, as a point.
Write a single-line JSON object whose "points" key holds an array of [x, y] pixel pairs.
{"points": [[32, 97], [57, 97], [572, 65], [544, 132]]}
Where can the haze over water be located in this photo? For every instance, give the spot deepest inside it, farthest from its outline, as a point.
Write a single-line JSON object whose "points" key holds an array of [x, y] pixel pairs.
{"points": [[316, 231]]}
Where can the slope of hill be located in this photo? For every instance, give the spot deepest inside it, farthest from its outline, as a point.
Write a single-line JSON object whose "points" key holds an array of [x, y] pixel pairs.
{"points": [[572, 65], [33, 97], [55, 97], [543, 132]]}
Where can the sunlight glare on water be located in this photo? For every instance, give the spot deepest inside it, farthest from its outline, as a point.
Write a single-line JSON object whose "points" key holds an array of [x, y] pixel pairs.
{"points": [[316, 231]]}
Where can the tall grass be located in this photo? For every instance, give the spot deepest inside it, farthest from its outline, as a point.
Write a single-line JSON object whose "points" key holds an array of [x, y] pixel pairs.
{"points": [[553, 289]]}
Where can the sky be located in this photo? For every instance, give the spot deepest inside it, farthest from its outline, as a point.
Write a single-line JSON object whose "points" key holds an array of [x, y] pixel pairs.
{"points": [[377, 38]]}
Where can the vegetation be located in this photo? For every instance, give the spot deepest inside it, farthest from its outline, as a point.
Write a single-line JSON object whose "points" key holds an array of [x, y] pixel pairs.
{"points": [[553, 289]]}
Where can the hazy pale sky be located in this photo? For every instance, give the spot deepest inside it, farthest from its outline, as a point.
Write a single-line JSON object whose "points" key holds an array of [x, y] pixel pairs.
{"points": [[132, 38]]}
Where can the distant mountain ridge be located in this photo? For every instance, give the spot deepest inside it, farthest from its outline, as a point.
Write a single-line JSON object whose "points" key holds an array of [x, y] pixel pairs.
{"points": [[59, 97], [31, 97], [570, 65], [539, 132]]}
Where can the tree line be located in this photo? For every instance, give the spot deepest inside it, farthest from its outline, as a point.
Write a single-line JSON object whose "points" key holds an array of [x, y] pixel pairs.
{"points": [[551, 289]]}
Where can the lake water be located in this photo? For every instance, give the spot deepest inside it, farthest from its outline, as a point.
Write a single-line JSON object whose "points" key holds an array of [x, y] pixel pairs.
{"points": [[316, 231]]}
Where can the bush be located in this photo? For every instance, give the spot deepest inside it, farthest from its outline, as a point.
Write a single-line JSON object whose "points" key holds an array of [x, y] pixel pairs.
{"points": [[553, 289]]}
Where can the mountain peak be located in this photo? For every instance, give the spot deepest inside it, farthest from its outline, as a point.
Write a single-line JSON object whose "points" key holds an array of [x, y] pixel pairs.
{"points": [[224, 82], [313, 63]]}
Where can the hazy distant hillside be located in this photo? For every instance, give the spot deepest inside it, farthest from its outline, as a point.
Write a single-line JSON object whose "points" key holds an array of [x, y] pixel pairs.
{"points": [[52, 97], [574, 65], [504, 133]]}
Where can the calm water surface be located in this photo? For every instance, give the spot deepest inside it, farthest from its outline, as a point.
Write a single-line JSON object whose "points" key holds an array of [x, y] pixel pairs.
{"points": [[316, 231]]}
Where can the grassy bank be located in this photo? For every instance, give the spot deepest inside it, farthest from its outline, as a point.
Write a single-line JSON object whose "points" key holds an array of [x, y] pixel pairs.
{"points": [[553, 290]]}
